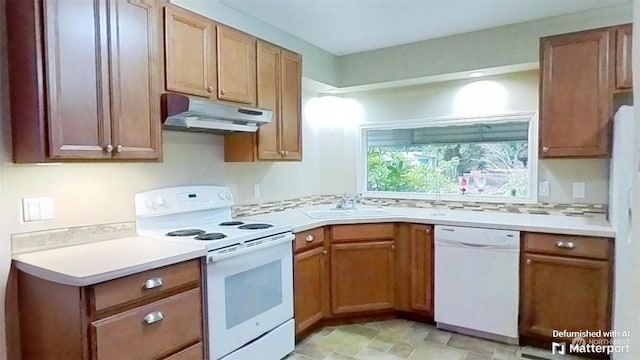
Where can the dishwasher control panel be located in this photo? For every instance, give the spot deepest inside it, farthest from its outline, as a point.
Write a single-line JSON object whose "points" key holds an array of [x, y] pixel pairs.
{"points": [[477, 236]]}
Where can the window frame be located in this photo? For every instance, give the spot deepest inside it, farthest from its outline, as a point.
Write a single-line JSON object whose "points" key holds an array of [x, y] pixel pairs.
{"points": [[361, 156]]}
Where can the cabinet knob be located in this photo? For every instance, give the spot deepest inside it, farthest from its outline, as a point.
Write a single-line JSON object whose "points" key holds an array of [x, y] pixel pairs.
{"points": [[153, 283], [281, 152], [310, 238], [108, 148], [119, 148], [286, 153], [528, 261], [153, 317], [210, 89], [223, 91], [428, 231], [545, 149], [393, 247], [324, 252], [566, 244]]}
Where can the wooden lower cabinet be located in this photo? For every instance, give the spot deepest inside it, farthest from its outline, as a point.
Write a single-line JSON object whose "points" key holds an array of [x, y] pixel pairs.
{"points": [[362, 276], [163, 319], [310, 282], [563, 291], [421, 270]]}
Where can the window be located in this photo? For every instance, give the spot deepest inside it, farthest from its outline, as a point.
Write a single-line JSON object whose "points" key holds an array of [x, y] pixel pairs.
{"points": [[477, 159]]}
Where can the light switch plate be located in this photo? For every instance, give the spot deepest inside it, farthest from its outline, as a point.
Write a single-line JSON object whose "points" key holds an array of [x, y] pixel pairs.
{"points": [[579, 190], [37, 209], [256, 191], [543, 188]]}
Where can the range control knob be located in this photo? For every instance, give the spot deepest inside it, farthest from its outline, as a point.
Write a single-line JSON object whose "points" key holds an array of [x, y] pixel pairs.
{"points": [[151, 205], [227, 195], [221, 196], [159, 201]]}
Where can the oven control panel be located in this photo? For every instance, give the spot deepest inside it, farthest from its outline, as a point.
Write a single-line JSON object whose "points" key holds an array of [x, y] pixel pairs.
{"points": [[182, 199]]}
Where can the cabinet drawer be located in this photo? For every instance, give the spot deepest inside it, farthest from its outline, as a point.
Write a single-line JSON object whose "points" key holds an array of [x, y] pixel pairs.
{"points": [[362, 232], [583, 246], [137, 286], [130, 335], [193, 352], [309, 239]]}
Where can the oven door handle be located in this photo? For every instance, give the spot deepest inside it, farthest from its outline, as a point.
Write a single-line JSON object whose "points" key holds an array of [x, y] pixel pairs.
{"points": [[250, 247]]}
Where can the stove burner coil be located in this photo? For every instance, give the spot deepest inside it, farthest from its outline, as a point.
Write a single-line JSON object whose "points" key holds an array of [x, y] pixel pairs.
{"points": [[231, 223], [185, 232], [255, 226], [210, 236]]}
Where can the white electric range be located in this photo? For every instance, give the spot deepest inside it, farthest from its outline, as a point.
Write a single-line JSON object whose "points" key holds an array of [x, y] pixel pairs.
{"points": [[249, 268]]}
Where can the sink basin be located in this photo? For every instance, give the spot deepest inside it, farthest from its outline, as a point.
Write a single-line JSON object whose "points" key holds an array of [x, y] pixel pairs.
{"points": [[339, 213]]}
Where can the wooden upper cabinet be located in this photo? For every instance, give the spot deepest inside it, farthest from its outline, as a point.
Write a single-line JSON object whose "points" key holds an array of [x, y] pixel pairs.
{"points": [[190, 46], [624, 79], [236, 54], [269, 89], [291, 113], [575, 102], [76, 57], [279, 88], [92, 92], [135, 83]]}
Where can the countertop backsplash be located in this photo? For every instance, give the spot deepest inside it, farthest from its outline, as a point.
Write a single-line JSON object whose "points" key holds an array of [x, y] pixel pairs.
{"points": [[55, 238], [516, 208]]}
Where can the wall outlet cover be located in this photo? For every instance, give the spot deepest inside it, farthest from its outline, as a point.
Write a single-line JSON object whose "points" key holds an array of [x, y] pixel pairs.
{"points": [[579, 190], [543, 188]]}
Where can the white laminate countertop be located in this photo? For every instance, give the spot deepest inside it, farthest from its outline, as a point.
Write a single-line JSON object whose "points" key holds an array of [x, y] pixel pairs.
{"points": [[92, 263], [567, 225]]}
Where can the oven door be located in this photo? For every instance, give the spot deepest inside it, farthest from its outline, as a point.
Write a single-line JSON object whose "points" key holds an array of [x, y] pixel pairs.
{"points": [[249, 295]]}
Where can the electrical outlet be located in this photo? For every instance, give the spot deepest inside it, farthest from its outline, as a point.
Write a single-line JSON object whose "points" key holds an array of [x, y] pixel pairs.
{"points": [[256, 191], [543, 188], [579, 190]]}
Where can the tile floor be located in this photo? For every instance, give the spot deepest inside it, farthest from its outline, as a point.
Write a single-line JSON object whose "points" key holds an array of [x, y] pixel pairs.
{"points": [[398, 340]]}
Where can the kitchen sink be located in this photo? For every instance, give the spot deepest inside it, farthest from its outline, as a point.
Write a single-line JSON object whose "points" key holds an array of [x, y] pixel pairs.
{"points": [[340, 213]]}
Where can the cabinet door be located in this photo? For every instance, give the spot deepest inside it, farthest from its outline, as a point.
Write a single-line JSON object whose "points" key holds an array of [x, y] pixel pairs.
{"points": [[290, 116], [575, 94], [77, 79], [190, 52], [236, 66], [268, 57], [362, 276], [564, 293], [421, 268], [623, 57], [135, 70], [310, 280]]}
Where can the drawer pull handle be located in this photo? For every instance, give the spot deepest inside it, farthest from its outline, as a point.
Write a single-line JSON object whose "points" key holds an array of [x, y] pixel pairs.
{"points": [[153, 283], [566, 244], [310, 238], [153, 317]]}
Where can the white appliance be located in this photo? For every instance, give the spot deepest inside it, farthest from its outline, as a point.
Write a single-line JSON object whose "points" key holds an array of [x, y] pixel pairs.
{"points": [[621, 176], [249, 268], [477, 281]]}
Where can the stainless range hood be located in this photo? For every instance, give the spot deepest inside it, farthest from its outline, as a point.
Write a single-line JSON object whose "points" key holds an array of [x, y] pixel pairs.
{"points": [[191, 113]]}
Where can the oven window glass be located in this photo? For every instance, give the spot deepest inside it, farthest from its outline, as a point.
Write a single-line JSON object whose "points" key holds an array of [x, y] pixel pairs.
{"points": [[252, 292]]}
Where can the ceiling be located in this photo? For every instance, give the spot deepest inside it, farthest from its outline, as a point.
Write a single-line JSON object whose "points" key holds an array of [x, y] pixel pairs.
{"points": [[349, 26]]}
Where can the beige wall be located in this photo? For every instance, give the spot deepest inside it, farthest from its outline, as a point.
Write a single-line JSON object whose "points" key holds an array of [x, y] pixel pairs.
{"points": [[500, 46], [457, 98]]}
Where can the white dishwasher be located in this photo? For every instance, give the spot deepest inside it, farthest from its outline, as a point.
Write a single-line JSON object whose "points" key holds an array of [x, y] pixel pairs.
{"points": [[477, 281]]}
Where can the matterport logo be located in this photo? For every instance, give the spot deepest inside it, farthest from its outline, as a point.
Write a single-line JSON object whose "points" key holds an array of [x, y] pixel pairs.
{"points": [[591, 342]]}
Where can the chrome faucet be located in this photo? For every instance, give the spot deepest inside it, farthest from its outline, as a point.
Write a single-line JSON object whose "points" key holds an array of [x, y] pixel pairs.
{"points": [[348, 202]]}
